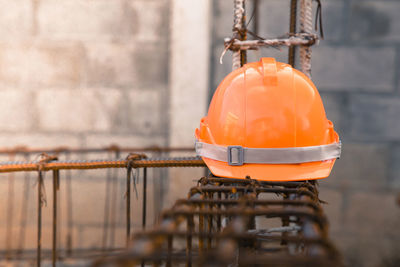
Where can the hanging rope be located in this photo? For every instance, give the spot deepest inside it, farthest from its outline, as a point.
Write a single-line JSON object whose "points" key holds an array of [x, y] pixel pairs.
{"points": [[44, 158], [318, 19]]}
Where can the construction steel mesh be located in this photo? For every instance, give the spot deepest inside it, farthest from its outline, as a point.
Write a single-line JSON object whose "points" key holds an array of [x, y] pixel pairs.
{"points": [[230, 222], [223, 221], [45, 199]]}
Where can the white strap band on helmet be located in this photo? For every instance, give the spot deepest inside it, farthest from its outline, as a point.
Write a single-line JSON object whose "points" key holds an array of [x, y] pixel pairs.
{"points": [[238, 155]]}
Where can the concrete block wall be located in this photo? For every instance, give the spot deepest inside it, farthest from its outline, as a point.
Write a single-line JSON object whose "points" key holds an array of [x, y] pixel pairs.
{"points": [[81, 71], [356, 69], [84, 73]]}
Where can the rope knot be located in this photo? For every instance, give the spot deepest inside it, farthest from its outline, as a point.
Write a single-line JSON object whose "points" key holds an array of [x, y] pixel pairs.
{"points": [[43, 159], [202, 181], [133, 157]]}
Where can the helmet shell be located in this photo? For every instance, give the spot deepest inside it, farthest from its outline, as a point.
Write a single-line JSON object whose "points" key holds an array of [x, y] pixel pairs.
{"points": [[267, 104]]}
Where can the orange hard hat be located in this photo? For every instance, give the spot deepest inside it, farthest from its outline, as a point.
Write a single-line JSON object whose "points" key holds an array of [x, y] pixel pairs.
{"points": [[266, 121]]}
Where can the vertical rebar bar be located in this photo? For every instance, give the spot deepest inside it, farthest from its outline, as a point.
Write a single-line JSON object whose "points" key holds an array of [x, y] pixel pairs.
{"points": [[285, 223], [306, 27], [39, 220], [56, 187], [113, 205], [68, 192], [10, 212], [128, 203], [60, 219], [158, 194], [239, 32], [219, 215], [201, 228], [209, 222], [170, 250], [292, 30], [144, 202], [24, 211], [190, 226], [256, 4], [106, 210], [69, 209], [243, 36]]}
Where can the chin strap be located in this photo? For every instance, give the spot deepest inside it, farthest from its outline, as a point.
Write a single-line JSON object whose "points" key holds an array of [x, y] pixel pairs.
{"points": [[238, 155]]}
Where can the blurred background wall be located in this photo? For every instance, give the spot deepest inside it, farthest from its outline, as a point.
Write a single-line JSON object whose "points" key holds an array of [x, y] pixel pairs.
{"points": [[91, 73], [82, 72]]}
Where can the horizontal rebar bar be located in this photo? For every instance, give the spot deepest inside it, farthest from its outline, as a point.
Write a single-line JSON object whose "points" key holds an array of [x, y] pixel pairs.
{"points": [[18, 166], [111, 148], [269, 213], [304, 39], [255, 202]]}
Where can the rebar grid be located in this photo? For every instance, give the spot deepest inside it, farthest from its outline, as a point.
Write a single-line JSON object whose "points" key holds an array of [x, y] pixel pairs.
{"points": [[61, 168], [222, 223]]}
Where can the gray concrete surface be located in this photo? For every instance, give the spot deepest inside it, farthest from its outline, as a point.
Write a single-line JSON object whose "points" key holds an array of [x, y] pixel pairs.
{"points": [[81, 73], [84, 69]]}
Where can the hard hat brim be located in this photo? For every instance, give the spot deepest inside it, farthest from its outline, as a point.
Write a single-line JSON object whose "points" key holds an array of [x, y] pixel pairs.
{"points": [[272, 172]]}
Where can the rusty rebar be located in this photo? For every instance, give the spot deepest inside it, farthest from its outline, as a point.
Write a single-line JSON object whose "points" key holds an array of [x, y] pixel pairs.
{"points": [[144, 201], [256, 4], [24, 211], [56, 187], [239, 32], [10, 212], [303, 39], [236, 233], [292, 31], [39, 219], [128, 203], [113, 204], [102, 164], [106, 214], [67, 150], [70, 221]]}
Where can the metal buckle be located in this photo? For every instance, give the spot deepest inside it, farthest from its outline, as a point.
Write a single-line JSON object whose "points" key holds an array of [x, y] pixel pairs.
{"points": [[198, 146], [238, 159]]}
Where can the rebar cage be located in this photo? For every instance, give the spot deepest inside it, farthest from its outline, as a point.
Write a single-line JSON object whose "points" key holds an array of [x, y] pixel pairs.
{"points": [[231, 222]]}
